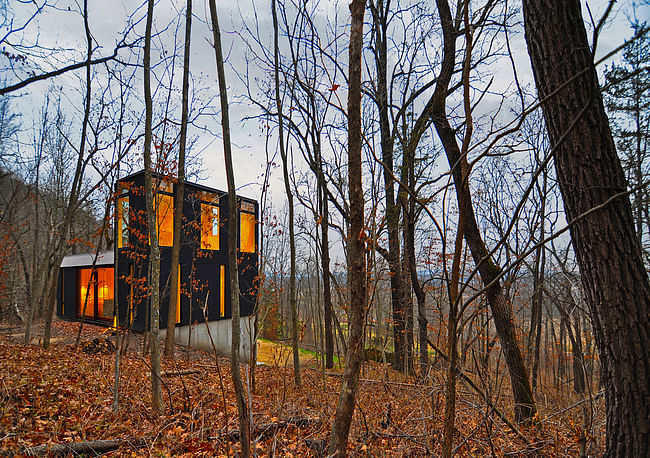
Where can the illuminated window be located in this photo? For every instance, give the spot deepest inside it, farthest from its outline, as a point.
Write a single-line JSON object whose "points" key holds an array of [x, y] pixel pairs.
{"points": [[165, 218], [247, 232], [86, 303], [178, 297], [209, 227], [131, 291], [123, 222], [165, 186], [105, 297], [222, 291], [96, 292]]}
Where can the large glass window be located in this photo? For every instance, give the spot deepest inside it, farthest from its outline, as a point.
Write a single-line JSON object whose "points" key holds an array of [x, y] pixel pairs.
{"points": [[247, 232], [105, 296], [209, 227], [96, 293], [165, 218], [123, 222], [86, 298], [178, 297], [222, 291]]}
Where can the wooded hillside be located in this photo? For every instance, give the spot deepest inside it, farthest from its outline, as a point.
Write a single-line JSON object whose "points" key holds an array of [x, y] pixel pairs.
{"points": [[453, 220]]}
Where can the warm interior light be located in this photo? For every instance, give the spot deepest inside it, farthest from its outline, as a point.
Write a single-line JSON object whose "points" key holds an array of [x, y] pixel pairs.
{"points": [[104, 300], [123, 222], [209, 227], [222, 291], [247, 232], [86, 303], [165, 217]]}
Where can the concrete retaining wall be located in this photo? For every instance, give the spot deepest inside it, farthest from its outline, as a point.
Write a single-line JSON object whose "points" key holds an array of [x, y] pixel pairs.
{"points": [[221, 336]]}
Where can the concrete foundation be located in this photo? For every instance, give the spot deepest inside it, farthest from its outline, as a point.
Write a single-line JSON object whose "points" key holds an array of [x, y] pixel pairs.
{"points": [[220, 331]]}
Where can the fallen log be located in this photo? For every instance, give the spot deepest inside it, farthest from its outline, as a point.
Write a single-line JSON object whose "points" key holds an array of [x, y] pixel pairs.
{"points": [[180, 372], [263, 429], [177, 373], [77, 448]]}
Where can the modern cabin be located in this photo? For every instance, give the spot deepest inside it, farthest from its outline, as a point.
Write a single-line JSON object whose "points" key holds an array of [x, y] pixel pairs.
{"points": [[204, 299], [86, 288]]}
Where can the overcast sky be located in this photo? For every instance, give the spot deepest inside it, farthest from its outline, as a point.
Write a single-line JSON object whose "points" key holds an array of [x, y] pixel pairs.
{"points": [[60, 27]]}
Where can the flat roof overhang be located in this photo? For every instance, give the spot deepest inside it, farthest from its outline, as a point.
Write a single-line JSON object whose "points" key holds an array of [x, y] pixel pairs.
{"points": [[105, 258]]}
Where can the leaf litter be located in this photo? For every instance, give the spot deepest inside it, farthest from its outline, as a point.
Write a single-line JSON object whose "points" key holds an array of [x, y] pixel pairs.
{"points": [[63, 395]]}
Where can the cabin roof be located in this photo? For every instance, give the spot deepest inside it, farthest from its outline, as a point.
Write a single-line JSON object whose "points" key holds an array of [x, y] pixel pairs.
{"points": [[104, 258], [196, 185]]}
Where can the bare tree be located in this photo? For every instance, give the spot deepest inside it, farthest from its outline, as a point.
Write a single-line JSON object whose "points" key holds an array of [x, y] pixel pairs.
{"points": [[233, 271], [180, 190], [490, 272], [598, 208], [287, 188], [454, 297], [356, 242], [150, 193]]}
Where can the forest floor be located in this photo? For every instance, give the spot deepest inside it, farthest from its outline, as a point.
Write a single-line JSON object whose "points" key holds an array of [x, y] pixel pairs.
{"points": [[64, 395]]}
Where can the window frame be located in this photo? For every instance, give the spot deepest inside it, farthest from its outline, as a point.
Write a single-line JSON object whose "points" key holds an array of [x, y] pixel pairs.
{"points": [[210, 200], [166, 218], [249, 215], [92, 305]]}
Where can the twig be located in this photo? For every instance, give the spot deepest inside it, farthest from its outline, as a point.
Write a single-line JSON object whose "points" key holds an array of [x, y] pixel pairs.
{"points": [[367, 380], [473, 385], [596, 396], [169, 393], [94, 447]]}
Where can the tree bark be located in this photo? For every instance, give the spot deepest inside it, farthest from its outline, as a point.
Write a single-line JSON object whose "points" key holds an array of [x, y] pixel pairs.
{"points": [[356, 242], [49, 295], [233, 271], [287, 188], [150, 195], [409, 240], [607, 249], [89, 447], [488, 269], [455, 296], [452, 345], [180, 191], [325, 263], [380, 25]]}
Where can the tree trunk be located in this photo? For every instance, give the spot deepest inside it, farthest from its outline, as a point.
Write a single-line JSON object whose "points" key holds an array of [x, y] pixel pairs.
{"points": [[538, 281], [36, 273], [455, 296], [150, 195], [116, 308], [49, 294], [287, 188], [233, 271], [409, 240], [325, 261], [356, 242], [488, 269], [380, 25], [174, 292], [591, 180], [407, 307], [452, 345]]}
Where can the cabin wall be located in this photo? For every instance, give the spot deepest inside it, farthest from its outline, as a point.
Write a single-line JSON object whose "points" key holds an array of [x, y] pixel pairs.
{"points": [[69, 294], [200, 268], [66, 304], [220, 335]]}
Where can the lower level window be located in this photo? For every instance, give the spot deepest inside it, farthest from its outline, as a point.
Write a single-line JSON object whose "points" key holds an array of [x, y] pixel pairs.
{"points": [[96, 298]]}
